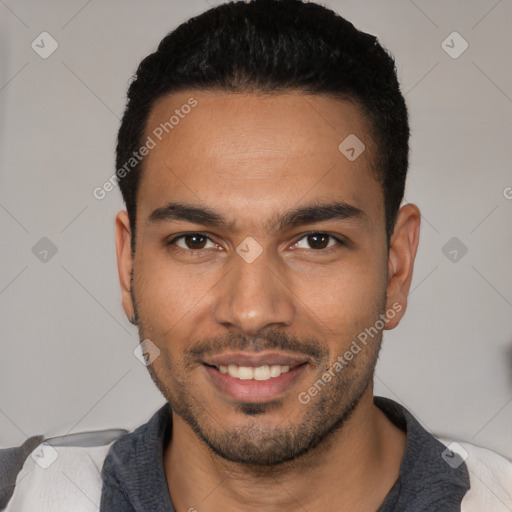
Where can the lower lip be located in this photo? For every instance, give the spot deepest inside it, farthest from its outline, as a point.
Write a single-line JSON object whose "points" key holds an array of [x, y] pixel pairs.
{"points": [[255, 391]]}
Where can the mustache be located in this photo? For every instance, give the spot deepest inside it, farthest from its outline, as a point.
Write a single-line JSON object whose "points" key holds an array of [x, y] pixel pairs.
{"points": [[272, 340]]}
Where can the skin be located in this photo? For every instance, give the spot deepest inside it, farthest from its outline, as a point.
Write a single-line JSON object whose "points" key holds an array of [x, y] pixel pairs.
{"points": [[251, 157]]}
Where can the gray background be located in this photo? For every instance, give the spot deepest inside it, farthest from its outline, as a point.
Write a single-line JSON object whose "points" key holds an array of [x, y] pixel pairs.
{"points": [[67, 362]]}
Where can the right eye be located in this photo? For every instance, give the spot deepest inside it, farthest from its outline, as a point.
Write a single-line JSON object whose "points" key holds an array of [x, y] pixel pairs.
{"points": [[191, 242]]}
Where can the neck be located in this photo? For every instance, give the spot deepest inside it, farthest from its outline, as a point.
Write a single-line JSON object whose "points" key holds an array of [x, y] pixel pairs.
{"points": [[353, 469]]}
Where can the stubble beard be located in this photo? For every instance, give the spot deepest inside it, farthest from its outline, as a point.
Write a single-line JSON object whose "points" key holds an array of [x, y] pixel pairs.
{"points": [[251, 444]]}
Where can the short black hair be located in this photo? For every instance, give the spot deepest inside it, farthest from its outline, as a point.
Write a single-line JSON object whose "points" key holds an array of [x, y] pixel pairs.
{"points": [[274, 46]]}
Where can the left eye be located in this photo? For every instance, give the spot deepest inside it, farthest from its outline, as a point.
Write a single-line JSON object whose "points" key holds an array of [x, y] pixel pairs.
{"points": [[317, 241]]}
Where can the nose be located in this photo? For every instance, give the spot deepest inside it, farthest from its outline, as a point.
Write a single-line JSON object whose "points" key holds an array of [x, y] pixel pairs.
{"points": [[254, 296]]}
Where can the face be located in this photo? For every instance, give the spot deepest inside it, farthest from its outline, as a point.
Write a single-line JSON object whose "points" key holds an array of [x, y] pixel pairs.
{"points": [[261, 258]]}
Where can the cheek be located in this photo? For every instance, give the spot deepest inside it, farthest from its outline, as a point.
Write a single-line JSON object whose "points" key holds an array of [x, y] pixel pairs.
{"points": [[169, 295], [345, 297]]}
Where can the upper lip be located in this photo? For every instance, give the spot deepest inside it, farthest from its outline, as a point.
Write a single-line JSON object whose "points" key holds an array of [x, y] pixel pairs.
{"points": [[256, 359]]}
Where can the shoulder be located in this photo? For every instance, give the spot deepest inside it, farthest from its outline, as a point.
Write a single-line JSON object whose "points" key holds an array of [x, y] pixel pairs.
{"points": [[52, 474], [490, 476]]}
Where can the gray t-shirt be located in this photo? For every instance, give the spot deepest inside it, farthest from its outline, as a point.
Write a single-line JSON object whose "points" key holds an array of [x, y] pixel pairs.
{"points": [[134, 477]]}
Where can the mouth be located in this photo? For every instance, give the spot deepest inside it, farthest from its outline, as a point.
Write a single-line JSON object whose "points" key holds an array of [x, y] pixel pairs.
{"points": [[254, 377]]}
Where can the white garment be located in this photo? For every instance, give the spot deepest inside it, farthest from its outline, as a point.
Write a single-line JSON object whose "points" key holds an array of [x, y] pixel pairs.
{"points": [[490, 476], [72, 483]]}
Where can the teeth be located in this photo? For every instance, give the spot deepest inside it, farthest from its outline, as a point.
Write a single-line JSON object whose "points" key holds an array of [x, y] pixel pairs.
{"points": [[275, 370], [245, 372], [264, 372]]}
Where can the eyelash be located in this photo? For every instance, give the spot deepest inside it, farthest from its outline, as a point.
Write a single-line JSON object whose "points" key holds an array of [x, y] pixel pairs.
{"points": [[327, 250]]}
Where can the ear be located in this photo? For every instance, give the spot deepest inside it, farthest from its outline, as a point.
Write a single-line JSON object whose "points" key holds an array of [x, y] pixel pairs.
{"points": [[402, 251], [124, 261]]}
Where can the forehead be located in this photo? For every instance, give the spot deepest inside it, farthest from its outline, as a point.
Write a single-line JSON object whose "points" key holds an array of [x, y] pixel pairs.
{"points": [[255, 152]]}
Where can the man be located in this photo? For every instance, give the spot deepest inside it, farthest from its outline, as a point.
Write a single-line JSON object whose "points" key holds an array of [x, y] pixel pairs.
{"points": [[262, 159]]}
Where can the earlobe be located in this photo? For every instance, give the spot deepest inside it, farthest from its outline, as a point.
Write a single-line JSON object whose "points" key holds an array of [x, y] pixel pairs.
{"points": [[402, 252], [125, 262]]}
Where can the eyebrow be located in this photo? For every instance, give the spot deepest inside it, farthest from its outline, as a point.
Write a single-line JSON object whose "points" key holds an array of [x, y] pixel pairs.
{"points": [[300, 216]]}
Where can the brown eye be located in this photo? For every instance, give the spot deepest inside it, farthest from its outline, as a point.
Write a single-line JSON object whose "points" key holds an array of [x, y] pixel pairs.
{"points": [[317, 241], [192, 241], [195, 241]]}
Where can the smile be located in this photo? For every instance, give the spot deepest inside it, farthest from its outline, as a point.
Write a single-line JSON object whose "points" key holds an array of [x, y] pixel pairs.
{"points": [[255, 376], [264, 372]]}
